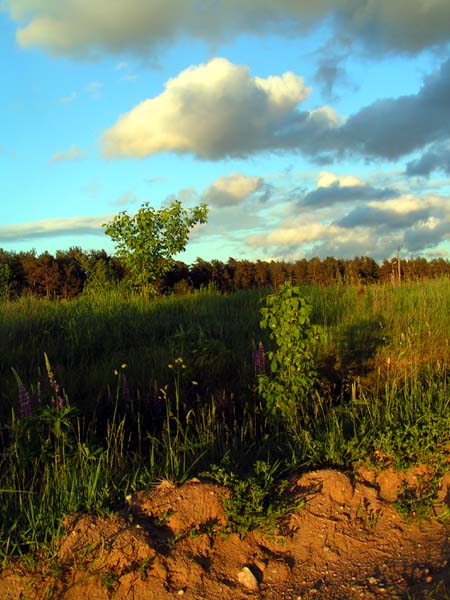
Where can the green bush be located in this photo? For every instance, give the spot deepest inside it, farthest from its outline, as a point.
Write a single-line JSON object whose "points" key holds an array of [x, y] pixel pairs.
{"points": [[288, 389]]}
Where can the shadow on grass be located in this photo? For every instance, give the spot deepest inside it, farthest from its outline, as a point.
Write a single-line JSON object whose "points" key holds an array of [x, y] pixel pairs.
{"points": [[353, 356], [359, 344]]}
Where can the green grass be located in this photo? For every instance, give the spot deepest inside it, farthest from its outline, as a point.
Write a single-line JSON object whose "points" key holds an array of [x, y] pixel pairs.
{"points": [[87, 338], [383, 387], [437, 591]]}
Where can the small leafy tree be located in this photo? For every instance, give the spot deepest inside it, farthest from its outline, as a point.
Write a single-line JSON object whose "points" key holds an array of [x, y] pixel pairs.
{"points": [[293, 374], [148, 241]]}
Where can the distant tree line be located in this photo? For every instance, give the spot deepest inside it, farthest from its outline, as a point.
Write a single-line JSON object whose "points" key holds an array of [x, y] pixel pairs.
{"points": [[69, 273]]}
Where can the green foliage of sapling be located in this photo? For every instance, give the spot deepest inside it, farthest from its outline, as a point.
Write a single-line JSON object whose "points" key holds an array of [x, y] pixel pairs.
{"points": [[293, 372], [148, 241]]}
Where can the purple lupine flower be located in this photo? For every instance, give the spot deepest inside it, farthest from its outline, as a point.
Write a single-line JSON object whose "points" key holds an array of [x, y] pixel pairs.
{"points": [[25, 401], [57, 399], [259, 361]]}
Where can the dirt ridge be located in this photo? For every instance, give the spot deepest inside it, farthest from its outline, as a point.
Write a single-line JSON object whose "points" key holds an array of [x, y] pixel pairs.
{"points": [[347, 542]]}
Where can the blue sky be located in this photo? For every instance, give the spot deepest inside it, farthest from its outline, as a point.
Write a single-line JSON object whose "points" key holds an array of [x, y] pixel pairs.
{"points": [[310, 129]]}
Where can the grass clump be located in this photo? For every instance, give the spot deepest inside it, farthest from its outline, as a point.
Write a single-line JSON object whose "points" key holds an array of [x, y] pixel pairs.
{"points": [[415, 502], [257, 500]]}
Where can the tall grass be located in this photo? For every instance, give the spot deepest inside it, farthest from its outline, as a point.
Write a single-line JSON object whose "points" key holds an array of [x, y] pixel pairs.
{"points": [[166, 389], [54, 463], [88, 338]]}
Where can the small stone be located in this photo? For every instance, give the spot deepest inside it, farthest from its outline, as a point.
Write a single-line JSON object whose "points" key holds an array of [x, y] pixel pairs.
{"points": [[248, 580], [372, 580], [261, 564], [180, 592]]}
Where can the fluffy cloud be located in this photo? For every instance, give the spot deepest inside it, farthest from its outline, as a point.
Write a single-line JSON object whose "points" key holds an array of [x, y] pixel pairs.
{"points": [[81, 28], [323, 197], [427, 234], [395, 127], [73, 153], [334, 189], [435, 158], [326, 179], [405, 204], [218, 110], [50, 228], [355, 219], [231, 189], [315, 239], [399, 213], [213, 110], [297, 233]]}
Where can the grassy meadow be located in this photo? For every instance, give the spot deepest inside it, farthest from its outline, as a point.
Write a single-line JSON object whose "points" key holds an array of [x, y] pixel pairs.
{"points": [[108, 393]]}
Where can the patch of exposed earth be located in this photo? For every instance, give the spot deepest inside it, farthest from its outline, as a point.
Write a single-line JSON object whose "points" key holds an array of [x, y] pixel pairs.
{"points": [[347, 542]]}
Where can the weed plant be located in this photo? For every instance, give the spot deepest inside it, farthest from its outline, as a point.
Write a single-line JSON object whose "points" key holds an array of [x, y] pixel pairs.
{"points": [[257, 501]]}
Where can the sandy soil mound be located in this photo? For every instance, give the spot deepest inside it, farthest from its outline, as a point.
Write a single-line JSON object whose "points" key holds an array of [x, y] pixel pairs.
{"points": [[348, 542]]}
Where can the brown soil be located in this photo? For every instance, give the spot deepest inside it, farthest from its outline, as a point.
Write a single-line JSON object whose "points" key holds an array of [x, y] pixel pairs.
{"points": [[347, 542]]}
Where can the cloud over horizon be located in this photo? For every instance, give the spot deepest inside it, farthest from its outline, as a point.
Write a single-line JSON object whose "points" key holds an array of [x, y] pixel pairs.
{"points": [[48, 228], [287, 228], [375, 225]]}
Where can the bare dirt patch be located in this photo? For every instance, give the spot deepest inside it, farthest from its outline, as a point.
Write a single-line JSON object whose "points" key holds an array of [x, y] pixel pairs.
{"points": [[348, 542]]}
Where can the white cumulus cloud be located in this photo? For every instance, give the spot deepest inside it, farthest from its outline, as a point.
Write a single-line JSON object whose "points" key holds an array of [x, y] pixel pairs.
{"points": [[409, 203], [231, 189], [327, 179], [212, 110], [218, 110]]}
